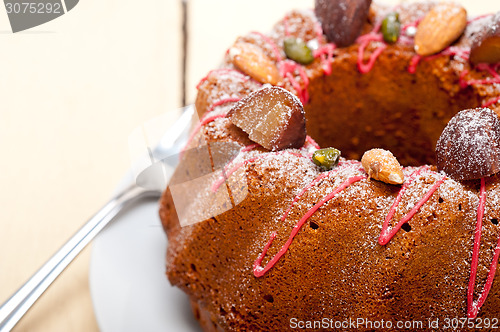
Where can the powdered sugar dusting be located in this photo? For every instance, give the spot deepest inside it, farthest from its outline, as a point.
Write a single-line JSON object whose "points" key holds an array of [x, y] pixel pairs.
{"points": [[272, 117], [469, 147]]}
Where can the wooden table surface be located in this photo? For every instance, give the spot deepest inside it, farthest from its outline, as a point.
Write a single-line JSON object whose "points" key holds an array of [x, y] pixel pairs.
{"points": [[71, 92]]}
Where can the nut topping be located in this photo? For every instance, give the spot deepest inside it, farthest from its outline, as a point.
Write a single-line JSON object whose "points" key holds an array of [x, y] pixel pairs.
{"points": [[442, 25], [391, 27], [297, 50], [326, 158], [383, 166], [252, 60]]}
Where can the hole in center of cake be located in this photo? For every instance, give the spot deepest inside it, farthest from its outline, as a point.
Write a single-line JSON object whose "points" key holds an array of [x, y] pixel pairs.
{"points": [[387, 108]]}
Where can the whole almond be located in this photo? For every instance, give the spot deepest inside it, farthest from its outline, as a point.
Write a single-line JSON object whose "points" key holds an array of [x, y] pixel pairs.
{"points": [[439, 28], [252, 60], [383, 166], [486, 43]]}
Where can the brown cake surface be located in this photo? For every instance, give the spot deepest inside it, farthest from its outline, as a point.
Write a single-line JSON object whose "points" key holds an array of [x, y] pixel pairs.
{"points": [[334, 269]]}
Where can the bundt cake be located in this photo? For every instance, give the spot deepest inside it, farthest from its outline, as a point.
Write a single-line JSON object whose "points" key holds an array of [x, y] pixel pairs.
{"points": [[269, 232]]}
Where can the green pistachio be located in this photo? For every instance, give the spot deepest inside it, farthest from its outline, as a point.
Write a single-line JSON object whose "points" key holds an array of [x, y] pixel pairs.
{"points": [[327, 158], [391, 27], [297, 50]]}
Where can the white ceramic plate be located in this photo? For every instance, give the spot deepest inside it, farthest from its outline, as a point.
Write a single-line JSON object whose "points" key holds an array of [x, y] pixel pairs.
{"points": [[129, 289]]}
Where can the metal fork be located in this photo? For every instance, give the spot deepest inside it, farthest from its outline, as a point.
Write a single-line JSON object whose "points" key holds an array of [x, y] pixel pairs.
{"points": [[149, 184]]}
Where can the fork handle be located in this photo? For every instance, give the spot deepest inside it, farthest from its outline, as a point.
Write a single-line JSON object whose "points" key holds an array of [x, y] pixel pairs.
{"points": [[17, 305]]}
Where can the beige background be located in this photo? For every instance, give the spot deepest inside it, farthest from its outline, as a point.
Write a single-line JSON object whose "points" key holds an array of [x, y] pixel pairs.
{"points": [[71, 91]]}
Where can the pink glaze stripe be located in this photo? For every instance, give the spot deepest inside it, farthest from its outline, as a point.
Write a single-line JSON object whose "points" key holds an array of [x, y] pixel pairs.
{"points": [[450, 51], [306, 188], [222, 102], [319, 30], [250, 147], [483, 81], [305, 80], [387, 234], [285, 25], [478, 18], [365, 68], [296, 86], [258, 270], [207, 119], [311, 141], [491, 102], [461, 80], [491, 69], [325, 53], [474, 306], [204, 121], [271, 43], [411, 24], [309, 186], [227, 173], [364, 41], [412, 68], [247, 148], [287, 68], [222, 71]]}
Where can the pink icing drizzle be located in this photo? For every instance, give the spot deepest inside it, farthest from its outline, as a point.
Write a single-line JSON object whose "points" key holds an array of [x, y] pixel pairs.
{"points": [[250, 147], [319, 30], [285, 25], [287, 68], [364, 41], [310, 185], [450, 51], [222, 71], [226, 173], [224, 176], [222, 102], [387, 234], [325, 53], [412, 68], [474, 306], [258, 270], [312, 142], [491, 102], [271, 43], [207, 119], [411, 24], [306, 188], [491, 69], [478, 18]]}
